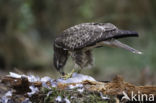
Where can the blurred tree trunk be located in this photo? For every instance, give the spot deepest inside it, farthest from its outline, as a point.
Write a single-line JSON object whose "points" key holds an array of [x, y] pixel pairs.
{"points": [[42, 19], [8, 26]]}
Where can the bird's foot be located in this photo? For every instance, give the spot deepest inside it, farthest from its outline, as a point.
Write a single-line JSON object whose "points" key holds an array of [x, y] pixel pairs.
{"points": [[68, 75]]}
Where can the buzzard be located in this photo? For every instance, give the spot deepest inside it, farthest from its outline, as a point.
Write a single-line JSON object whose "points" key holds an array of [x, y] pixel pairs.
{"points": [[79, 40]]}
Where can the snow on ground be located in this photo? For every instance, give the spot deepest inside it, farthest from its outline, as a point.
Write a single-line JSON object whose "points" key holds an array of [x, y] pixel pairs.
{"points": [[46, 79], [6, 97], [33, 91], [66, 100], [59, 99], [80, 90], [75, 86], [62, 100], [76, 78], [15, 75], [104, 97], [31, 78]]}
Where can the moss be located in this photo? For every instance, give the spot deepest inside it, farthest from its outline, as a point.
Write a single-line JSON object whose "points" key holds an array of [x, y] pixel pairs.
{"points": [[73, 95]]}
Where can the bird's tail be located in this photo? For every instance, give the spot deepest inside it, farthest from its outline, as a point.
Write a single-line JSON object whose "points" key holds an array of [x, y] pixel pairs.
{"points": [[125, 33], [116, 43]]}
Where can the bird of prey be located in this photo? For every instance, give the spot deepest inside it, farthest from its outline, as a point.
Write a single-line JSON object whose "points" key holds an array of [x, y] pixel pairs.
{"points": [[79, 40]]}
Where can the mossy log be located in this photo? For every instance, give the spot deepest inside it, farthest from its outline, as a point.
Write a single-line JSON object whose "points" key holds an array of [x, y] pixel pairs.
{"points": [[114, 90]]}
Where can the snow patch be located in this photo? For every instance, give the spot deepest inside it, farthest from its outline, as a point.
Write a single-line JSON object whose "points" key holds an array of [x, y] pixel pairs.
{"points": [[46, 79], [76, 78], [9, 93], [26, 101], [6, 97], [54, 84], [58, 99], [15, 75], [75, 86], [33, 90], [44, 84], [80, 90], [31, 78], [104, 97], [66, 100]]}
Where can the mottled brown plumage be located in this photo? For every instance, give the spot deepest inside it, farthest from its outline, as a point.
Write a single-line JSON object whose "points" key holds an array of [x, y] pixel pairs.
{"points": [[77, 41]]}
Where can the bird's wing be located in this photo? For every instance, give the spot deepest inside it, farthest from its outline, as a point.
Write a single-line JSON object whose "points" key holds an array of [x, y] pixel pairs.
{"points": [[88, 34]]}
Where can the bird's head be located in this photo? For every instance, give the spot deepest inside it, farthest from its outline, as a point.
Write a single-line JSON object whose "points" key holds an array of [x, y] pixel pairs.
{"points": [[60, 58]]}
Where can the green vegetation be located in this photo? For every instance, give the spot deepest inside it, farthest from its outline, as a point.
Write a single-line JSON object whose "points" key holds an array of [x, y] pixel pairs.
{"points": [[73, 96]]}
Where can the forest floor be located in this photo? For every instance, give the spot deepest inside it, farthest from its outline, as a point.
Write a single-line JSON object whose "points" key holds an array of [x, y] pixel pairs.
{"points": [[17, 88]]}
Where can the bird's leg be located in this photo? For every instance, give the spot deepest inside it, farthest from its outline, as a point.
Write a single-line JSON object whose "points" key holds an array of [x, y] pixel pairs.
{"points": [[69, 75]]}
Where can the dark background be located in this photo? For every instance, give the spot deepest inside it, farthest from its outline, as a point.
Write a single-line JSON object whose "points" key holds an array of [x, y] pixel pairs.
{"points": [[28, 28]]}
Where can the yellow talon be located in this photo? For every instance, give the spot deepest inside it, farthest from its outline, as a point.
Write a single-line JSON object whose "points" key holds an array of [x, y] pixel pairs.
{"points": [[68, 75]]}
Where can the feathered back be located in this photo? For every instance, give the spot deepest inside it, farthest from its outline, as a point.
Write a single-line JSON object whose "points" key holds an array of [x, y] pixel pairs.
{"points": [[87, 34]]}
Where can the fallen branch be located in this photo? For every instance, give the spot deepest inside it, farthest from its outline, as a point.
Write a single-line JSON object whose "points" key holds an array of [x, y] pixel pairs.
{"points": [[116, 88]]}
